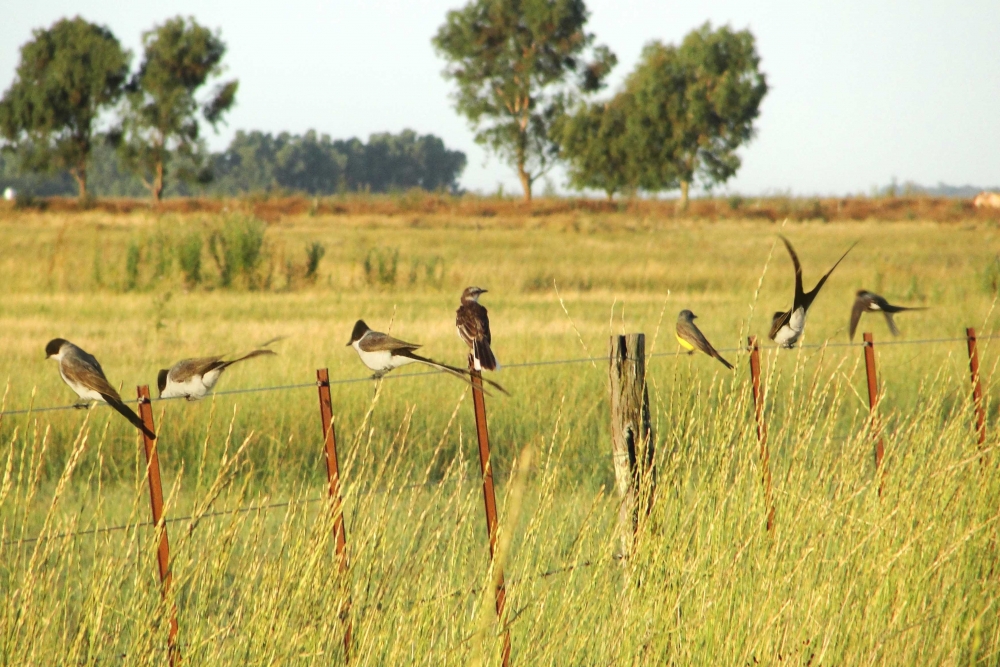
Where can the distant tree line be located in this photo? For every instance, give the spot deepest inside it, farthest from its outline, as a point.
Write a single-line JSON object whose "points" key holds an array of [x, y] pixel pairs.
{"points": [[258, 162]]}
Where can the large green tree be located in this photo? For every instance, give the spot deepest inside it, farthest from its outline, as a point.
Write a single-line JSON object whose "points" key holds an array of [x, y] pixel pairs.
{"points": [[161, 122], [599, 144], [517, 65], [67, 75], [695, 106]]}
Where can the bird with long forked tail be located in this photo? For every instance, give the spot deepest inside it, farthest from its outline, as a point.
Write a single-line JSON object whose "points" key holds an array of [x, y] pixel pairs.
{"points": [[382, 353], [84, 375], [193, 379], [869, 302], [787, 327]]}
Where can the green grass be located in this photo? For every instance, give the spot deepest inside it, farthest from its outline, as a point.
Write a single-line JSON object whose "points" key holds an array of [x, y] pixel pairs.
{"points": [[847, 578]]}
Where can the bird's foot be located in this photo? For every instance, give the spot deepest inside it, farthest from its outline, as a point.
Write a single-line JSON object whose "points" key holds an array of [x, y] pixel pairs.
{"points": [[379, 375], [82, 406]]}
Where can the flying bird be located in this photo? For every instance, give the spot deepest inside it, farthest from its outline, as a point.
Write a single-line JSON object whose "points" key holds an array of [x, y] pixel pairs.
{"points": [[691, 338], [84, 375], [873, 303], [787, 327], [382, 353], [194, 378], [473, 324]]}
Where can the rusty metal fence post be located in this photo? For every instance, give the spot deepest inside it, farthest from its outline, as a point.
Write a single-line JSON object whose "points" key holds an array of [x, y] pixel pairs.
{"points": [[156, 501], [490, 501], [758, 408], [977, 386], [873, 407], [632, 440], [336, 500]]}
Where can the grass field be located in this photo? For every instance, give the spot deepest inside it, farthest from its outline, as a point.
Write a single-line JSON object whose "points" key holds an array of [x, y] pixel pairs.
{"points": [[847, 578]]}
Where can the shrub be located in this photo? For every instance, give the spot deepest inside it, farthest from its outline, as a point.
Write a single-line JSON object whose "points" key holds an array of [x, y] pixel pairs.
{"points": [[132, 266], [189, 256], [238, 249], [314, 253], [381, 266]]}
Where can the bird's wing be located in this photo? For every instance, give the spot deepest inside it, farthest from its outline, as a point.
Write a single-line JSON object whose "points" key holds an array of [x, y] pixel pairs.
{"points": [[799, 295], [249, 355], [808, 297], [860, 305], [779, 321], [83, 369], [375, 341], [889, 308], [484, 320], [185, 369], [690, 332], [470, 326]]}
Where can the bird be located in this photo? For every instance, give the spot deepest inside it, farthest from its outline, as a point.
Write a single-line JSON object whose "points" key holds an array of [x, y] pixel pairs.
{"points": [[473, 324], [194, 378], [382, 353], [787, 327], [873, 303], [84, 375], [691, 338]]}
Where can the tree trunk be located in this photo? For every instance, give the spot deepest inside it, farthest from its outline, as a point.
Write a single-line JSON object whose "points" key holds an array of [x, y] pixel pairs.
{"points": [[525, 182], [682, 205], [79, 174], [611, 195], [157, 187]]}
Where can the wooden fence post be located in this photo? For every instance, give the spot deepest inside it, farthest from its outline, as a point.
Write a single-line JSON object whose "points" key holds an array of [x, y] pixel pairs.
{"points": [[490, 501], [632, 442], [873, 407], [336, 499], [758, 407], [977, 387], [156, 501]]}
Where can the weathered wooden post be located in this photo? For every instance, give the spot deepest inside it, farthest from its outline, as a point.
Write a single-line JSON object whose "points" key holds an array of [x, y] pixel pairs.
{"points": [[977, 387], [156, 502], [873, 408], [758, 408], [632, 442], [336, 500]]}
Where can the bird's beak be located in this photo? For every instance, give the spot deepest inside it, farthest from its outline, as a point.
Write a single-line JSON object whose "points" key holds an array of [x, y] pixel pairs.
{"points": [[483, 291]]}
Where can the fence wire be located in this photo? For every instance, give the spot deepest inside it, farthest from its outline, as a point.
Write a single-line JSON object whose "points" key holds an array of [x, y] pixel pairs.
{"points": [[523, 364]]}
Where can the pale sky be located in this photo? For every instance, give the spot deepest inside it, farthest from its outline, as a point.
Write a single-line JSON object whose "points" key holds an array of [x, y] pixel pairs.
{"points": [[861, 92]]}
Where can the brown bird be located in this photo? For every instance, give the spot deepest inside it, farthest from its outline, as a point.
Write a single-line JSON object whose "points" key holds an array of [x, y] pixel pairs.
{"points": [[194, 378], [787, 327], [473, 324], [84, 375], [691, 338], [870, 302]]}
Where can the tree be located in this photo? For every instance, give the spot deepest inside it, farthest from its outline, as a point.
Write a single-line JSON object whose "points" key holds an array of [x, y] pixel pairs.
{"points": [[696, 105], [512, 61], [599, 145], [161, 120], [66, 76]]}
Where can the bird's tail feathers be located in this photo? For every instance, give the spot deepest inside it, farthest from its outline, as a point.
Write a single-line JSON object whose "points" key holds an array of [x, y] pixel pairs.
{"points": [[128, 413], [484, 354], [724, 362], [249, 355], [898, 309], [462, 374]]}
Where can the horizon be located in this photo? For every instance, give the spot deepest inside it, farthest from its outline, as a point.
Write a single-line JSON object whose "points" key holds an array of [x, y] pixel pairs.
{"points": [[847, 112]]}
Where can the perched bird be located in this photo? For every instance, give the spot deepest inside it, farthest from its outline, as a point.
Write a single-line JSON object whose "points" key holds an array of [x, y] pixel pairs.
{"points": [[84, 375], [787, 327], [691, 338], [194, 378], [383, 353], [873, 303], [473, 324]]}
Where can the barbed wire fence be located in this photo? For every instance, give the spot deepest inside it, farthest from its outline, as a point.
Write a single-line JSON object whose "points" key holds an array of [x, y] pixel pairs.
{"points": [[334, 495]]}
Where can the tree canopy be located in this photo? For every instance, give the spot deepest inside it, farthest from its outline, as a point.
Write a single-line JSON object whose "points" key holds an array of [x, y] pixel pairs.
{"points": [[162, 118], [513, 62], [695, 105], [67, 74], [599, 146]]}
